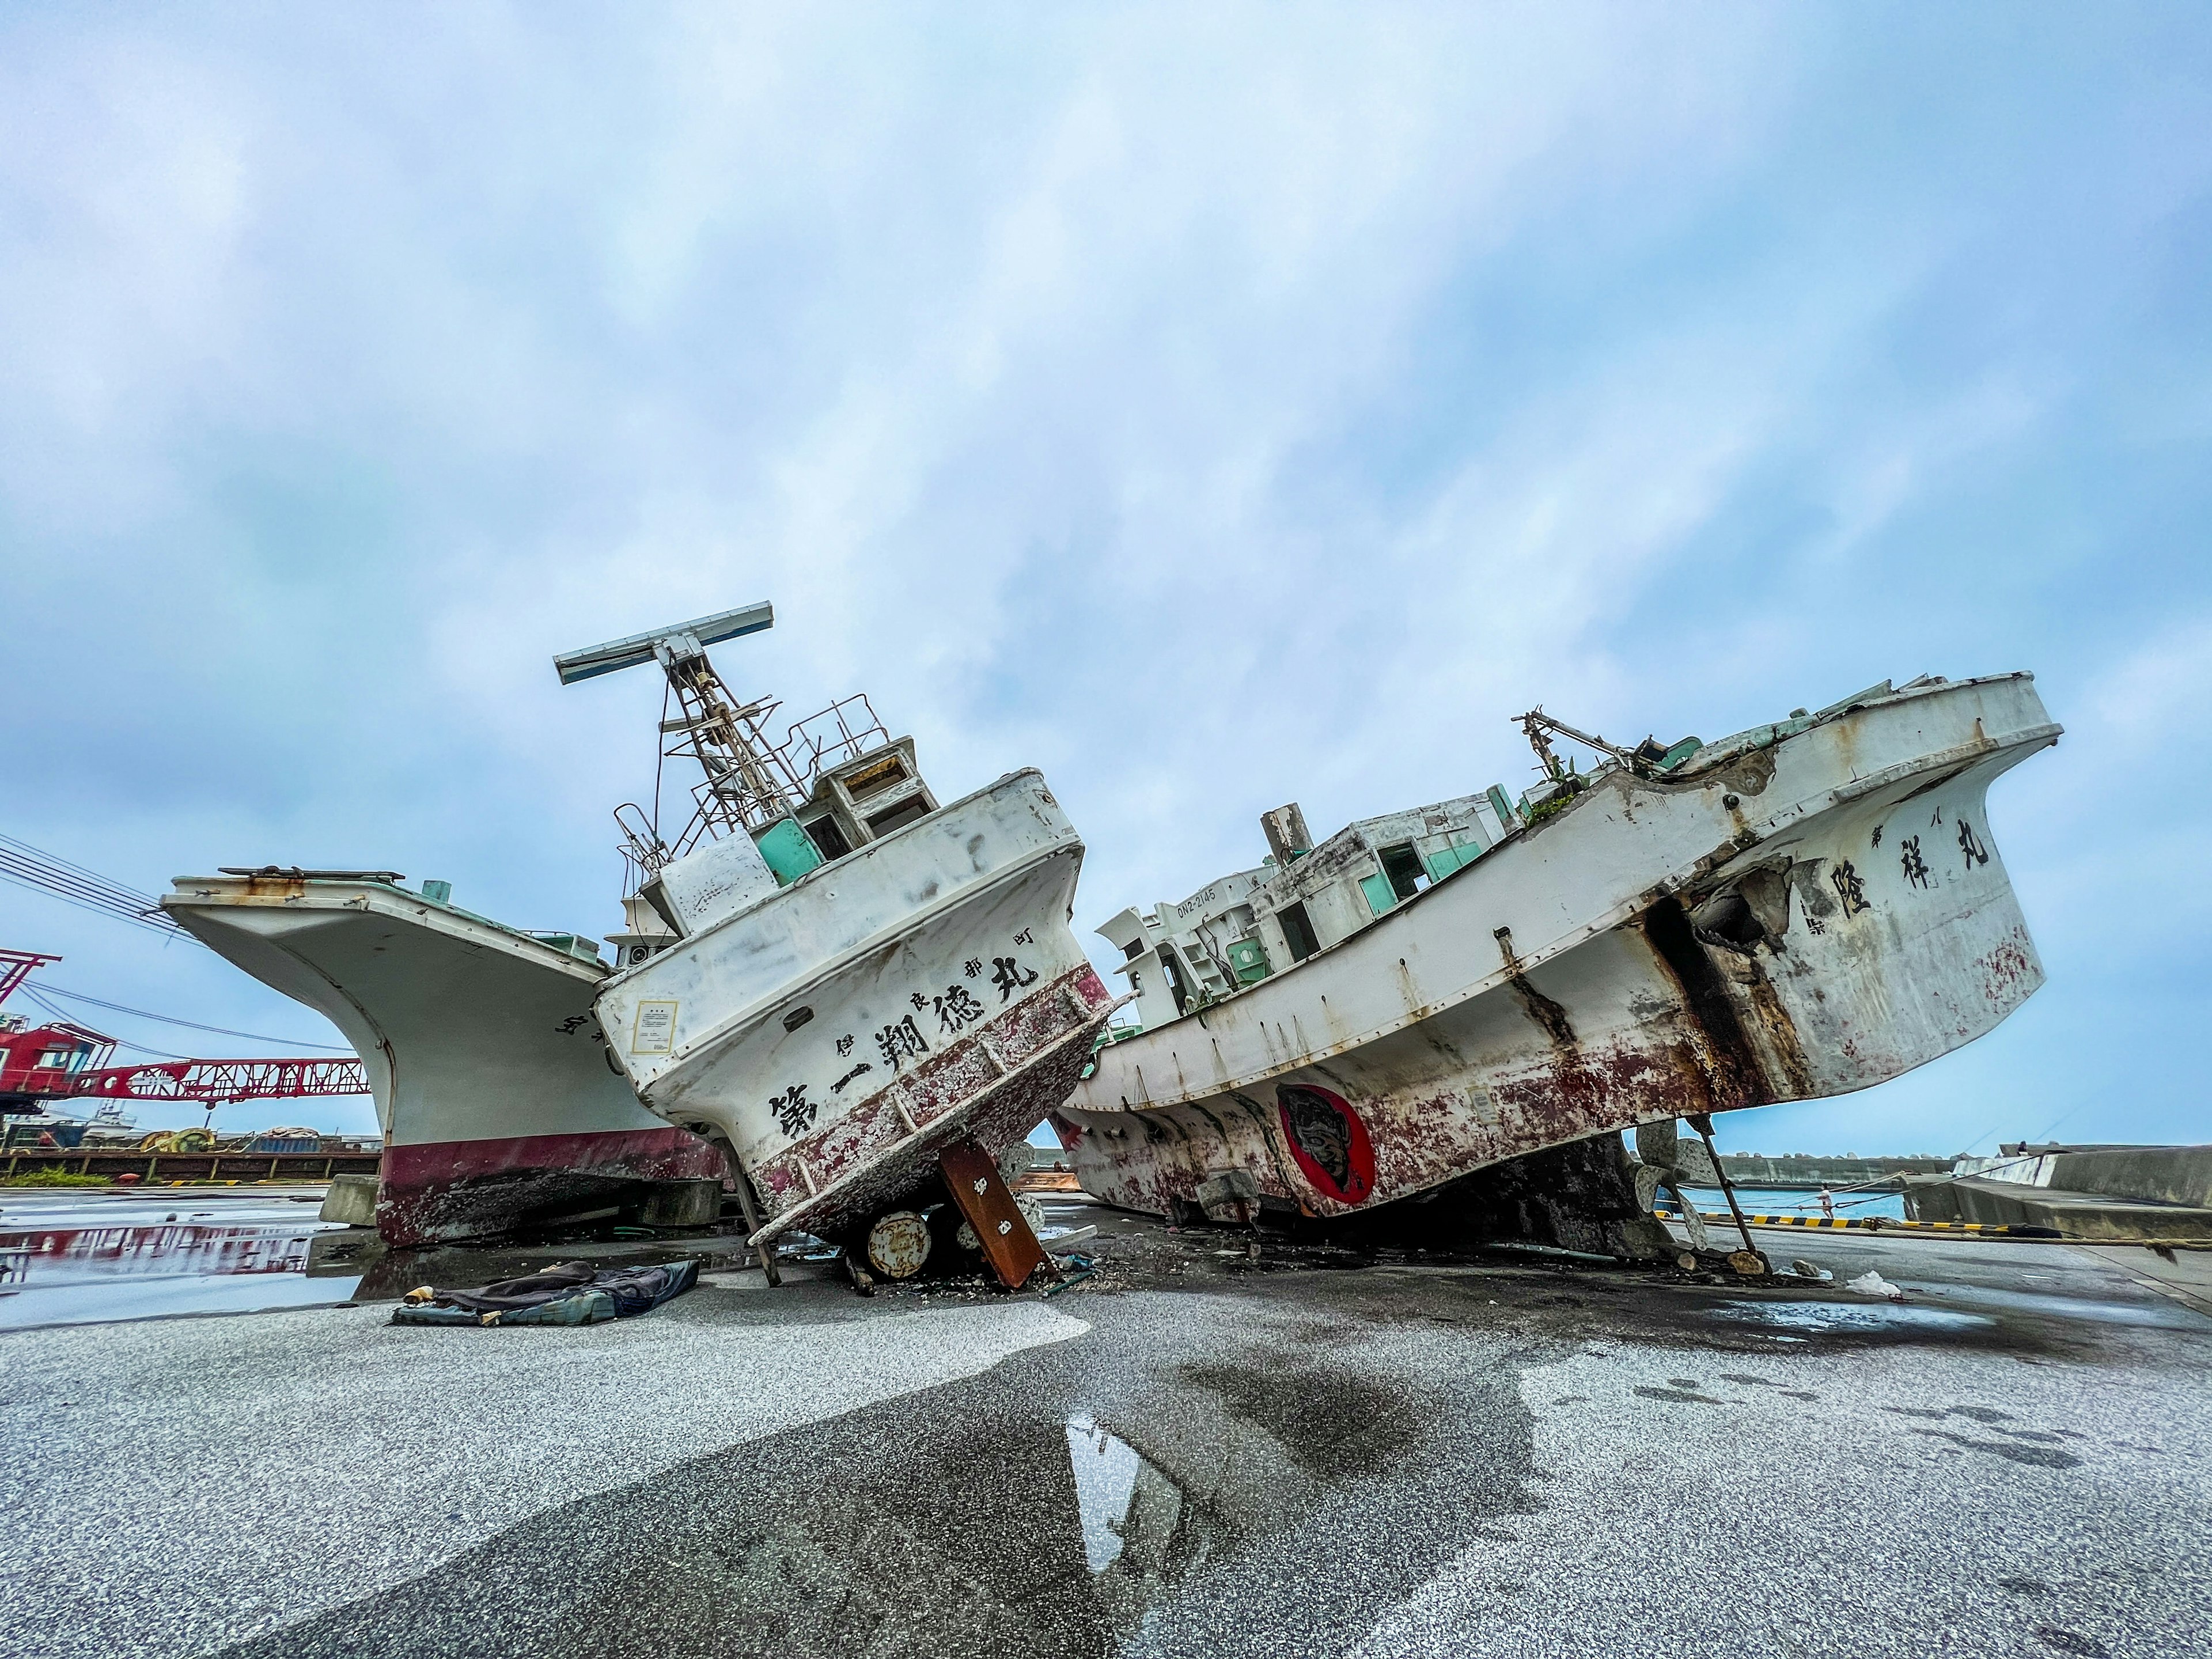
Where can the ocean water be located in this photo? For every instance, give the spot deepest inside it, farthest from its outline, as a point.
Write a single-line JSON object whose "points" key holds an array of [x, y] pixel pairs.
{"points": [[1762, 1201]]}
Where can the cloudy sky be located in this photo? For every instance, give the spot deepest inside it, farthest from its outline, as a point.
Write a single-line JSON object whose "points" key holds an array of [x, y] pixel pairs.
{"points": [[1214, 406]]}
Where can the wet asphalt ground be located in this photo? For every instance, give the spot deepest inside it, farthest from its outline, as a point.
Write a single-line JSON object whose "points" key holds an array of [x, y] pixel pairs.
{"points": [[1187, 1454]]}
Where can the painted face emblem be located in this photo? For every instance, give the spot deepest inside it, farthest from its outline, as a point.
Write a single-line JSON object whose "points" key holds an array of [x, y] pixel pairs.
{"points": [[1328, 1140]]}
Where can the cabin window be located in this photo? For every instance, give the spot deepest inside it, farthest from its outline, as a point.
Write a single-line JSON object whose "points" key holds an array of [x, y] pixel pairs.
{"points": [[788, 850], [874, 780], [1133, 949], [1453, 857], [1297, 931], [828, 839], [904, 813], [1402, 865]]}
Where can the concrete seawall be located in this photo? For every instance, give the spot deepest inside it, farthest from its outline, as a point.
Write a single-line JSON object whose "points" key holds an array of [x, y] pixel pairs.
{"points": [[2111, 1193]]}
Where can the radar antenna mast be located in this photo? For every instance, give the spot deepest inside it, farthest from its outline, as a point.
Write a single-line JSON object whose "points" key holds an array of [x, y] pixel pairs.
{"points": [[749, 784]]}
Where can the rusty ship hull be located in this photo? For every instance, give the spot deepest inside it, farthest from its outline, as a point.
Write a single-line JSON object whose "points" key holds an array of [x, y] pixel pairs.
{"points": [[1806, 910], [500, 1107]]}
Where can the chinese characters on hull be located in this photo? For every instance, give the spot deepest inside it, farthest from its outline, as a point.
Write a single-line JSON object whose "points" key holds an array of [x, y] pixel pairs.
{"points": [[1007, 975], [793, 1110], [1850, 888], [899, 1042], [1909, 859], [956, 1008]]}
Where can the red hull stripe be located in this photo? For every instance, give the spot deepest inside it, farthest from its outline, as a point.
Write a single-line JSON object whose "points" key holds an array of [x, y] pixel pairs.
{"points": [[669, 1154]]}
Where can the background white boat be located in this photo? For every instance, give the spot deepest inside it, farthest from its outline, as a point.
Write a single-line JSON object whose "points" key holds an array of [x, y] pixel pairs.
{"points": [[1802, 910], [499, 1105]]}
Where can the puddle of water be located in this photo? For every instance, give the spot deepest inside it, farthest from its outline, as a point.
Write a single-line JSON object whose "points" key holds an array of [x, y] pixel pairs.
{"points": [[1140, 1534], [69, 1261], [1849, 1317], [2161, 1314]]}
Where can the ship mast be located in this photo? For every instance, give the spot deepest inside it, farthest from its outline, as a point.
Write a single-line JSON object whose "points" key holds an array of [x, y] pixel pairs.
{"points": [[749, 784], [1536, 725]]}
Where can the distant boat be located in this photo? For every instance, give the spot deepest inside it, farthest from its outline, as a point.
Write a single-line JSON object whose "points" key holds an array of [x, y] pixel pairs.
{"points": [[110, 1123], [1802, 910]]}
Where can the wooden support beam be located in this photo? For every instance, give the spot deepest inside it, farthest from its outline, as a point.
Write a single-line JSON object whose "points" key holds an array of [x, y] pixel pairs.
{"points": [[971, 1176]]}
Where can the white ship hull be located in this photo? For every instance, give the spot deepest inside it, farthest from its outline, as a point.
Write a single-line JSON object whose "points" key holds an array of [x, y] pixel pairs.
{"points": [[841, 1033], [1558, 988], [499, 1105]]}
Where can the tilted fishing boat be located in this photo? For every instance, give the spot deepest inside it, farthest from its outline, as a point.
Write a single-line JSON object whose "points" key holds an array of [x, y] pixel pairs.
{"points": [[856, 989], [1802, 910], [499, 1106]]}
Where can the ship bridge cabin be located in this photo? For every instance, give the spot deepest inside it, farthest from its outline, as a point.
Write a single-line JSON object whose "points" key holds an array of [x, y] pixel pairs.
{"points": [[863, 799], [1300, 900], [860, 784]]}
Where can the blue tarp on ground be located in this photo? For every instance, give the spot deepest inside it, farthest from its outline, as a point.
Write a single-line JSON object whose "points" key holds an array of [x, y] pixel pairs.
{"points": [[573, 1293]]}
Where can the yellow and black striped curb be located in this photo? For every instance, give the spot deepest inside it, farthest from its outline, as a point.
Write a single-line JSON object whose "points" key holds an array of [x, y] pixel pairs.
{"points": [[1870, 1223]]}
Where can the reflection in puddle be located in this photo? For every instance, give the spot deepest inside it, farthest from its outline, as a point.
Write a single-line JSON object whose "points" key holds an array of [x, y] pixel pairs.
{"points": [[1105, 1481], [1130, 1509], [1846, 1316], [1139, 1534], [73, 1260]]}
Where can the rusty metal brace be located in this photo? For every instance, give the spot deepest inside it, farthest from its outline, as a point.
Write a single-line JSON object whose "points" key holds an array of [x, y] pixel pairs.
{"points": [[1702, 1123], [744, 1186]]}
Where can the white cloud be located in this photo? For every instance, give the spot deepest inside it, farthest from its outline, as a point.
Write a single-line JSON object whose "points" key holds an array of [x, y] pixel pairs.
{"points": [[2157, 695]]}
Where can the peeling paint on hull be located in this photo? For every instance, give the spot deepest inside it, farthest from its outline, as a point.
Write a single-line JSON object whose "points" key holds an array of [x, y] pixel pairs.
{"points": [[1858, 923], [439, 1191]]}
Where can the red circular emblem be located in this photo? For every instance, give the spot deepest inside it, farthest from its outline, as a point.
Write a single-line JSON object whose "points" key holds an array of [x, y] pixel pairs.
{"points": [[1328, 1141]]}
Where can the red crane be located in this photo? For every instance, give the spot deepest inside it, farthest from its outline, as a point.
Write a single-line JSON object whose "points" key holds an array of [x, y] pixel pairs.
{"points": [[62, 1061], [214, 1081]]}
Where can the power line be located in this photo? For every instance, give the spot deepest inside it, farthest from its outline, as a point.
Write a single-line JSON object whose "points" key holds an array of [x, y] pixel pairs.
{"points": [[166, 1019], [64, 1015], [29, 866]]}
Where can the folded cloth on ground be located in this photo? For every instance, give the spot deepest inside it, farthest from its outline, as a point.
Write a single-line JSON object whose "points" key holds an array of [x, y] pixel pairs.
{"points": [[581, 1307], [572, 1293], [529, 1291]]}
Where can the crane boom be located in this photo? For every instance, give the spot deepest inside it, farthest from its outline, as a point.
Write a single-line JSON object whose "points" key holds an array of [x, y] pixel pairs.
{"points": [[213, 1082]]}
